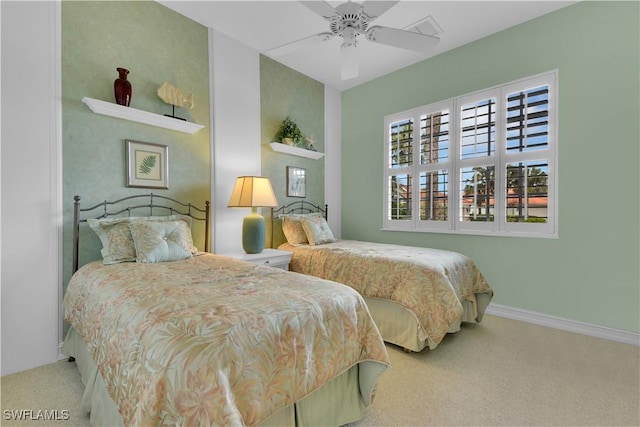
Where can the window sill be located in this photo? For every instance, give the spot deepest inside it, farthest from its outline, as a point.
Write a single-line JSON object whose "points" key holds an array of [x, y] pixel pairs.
{"points": [[477, 233]]}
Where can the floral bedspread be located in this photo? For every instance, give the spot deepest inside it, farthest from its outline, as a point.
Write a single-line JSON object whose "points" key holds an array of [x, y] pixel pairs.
{"points": [[431, 283], [216, 341]]}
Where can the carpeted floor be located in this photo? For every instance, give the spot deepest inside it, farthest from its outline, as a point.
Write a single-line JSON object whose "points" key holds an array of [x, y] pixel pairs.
{"points": [[498, 373]]}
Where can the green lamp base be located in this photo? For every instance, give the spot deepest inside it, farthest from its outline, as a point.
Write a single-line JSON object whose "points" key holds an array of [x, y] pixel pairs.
{"points": [[253, 233]]}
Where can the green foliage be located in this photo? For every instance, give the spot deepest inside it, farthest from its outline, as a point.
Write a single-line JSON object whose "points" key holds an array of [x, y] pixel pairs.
{"points": [[147, 164], [289, 129], [513, 218], [481, 218]]}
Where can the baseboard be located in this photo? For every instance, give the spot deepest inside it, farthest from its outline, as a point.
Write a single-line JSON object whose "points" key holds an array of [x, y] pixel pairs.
{"points": [[61, 355], [542, 319]]}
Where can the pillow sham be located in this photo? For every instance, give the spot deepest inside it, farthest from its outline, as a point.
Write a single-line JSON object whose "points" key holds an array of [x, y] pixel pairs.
{"points": [[160, 241], [292, 227], [117, 243], [116, 239], [317, 230]]}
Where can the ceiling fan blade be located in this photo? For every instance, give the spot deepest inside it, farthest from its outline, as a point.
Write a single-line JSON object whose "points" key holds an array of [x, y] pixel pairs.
{"points": [[298, 44], [349, 57], [322, 8], [402, 39], [375, 8]]}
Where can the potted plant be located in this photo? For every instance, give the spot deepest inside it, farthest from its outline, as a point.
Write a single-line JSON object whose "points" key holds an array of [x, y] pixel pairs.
{"points": [[289, 132]]}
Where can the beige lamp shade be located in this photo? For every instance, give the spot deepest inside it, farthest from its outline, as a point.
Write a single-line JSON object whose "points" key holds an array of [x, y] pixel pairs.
{"points": [[252, 191]]}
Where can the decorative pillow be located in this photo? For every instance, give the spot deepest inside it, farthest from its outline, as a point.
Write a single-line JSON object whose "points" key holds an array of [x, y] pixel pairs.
{"points": [[317, 230], [115, 235], [160, 241], [117, 243], [292, 227]]}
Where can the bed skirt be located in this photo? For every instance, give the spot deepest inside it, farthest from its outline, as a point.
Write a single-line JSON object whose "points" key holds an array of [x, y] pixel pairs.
{"points": [[392, 320], [336, 403]]}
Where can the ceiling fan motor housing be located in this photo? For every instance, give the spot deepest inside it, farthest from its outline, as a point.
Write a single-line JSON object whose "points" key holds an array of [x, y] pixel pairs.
{"points": [[349, 22]]}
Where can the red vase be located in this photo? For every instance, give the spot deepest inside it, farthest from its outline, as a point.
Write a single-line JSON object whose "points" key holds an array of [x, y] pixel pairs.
{"points": [[122, 88]]}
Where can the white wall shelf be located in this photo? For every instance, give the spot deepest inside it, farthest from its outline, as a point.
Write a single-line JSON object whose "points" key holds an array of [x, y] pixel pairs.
{"points": [[135, 115], [295, 151]]}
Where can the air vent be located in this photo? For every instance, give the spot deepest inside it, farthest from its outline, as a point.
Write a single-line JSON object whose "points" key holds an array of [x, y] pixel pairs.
{"points": [[427, 26]]}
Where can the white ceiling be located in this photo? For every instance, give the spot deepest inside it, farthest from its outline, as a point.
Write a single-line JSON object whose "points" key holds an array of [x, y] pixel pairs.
{"points": [[264, 25]]}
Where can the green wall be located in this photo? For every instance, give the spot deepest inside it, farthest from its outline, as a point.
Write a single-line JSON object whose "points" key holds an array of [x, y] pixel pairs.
{"points": [[590, 273], [286, 92], [156, 45]]}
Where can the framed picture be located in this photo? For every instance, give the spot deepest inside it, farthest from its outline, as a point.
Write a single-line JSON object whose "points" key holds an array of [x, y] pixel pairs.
{"points": [[296, 182], [147, 165]]}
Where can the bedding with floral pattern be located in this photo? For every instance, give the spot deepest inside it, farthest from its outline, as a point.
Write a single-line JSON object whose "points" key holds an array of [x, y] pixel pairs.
{"points": [[211, 340], [431, 283]]}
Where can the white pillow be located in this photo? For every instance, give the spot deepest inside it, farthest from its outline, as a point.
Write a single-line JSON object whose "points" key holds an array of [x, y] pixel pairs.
{"points": [[162, 241], [317, 230]]}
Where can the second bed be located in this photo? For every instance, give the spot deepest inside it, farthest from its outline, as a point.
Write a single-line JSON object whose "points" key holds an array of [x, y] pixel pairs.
{"points": [[415, 295]]}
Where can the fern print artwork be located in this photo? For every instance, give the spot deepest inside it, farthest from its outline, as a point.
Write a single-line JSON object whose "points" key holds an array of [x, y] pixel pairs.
{"points": [[147, 165]]}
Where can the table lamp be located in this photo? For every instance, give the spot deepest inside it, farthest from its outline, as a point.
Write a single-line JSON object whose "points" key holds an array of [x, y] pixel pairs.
{"points": [[253, 192]]}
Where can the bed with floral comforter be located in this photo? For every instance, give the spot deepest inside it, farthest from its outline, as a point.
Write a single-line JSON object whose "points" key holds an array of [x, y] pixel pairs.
{"points": [[415, 295], [216, 341]]}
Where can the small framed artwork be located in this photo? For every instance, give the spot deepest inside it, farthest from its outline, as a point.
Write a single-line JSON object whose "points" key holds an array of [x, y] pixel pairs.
{"points": [[296, 182], [147, 164]]}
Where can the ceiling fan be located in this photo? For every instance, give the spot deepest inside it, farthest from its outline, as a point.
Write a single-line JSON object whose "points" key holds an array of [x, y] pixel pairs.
{"points": [[349, 20]]}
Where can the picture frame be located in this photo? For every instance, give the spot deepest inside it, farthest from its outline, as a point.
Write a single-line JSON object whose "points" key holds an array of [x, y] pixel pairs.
{"points": [[296, 182], [147, 164]]}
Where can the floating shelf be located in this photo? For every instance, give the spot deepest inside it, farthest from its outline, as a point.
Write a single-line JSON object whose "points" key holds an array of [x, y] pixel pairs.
{"points": [[135, 115], [295, 151]]}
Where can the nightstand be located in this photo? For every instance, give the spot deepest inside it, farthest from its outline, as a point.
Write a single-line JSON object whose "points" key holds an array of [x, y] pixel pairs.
{"points": [[271, 257]]}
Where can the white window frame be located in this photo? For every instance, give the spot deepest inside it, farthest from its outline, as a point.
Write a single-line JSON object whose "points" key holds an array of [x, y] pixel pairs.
{"points": [[500, 159]]}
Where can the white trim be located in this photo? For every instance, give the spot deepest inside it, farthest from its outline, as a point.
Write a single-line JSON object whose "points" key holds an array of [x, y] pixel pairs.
{"points": [[56, 183], [32, 338], [333, 157], [236, 131], [536, 318], [212, 143], [0, 197], [61, 355]]}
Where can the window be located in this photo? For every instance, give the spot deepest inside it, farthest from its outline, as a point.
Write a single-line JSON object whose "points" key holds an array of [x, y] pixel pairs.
{"points": [[482, 163]]}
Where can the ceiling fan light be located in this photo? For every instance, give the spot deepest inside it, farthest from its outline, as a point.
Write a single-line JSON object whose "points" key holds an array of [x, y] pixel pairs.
{"points": [[349, 37], [349, 56]]}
